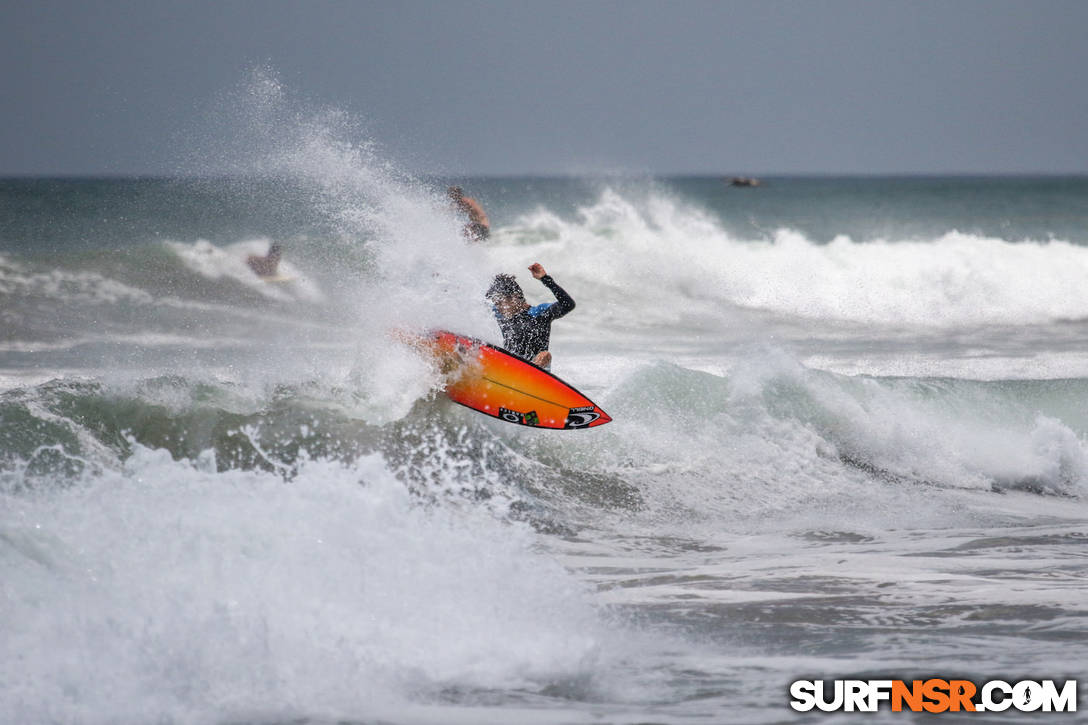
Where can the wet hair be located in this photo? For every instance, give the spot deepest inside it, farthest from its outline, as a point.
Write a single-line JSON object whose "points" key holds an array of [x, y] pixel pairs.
{"points": [[504, 285], [455, 192]]}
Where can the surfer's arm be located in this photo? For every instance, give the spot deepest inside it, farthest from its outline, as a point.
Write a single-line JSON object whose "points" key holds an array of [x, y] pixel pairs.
{"points": [[564, 303], [476, 212]]}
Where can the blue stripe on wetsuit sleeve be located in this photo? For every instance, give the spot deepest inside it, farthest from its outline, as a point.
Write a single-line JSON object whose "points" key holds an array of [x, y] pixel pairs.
{"points": [[540, 309]]}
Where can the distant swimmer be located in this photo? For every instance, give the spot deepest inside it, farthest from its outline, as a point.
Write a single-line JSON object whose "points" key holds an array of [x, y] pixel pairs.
{"points": [[479, 226], [268, 265], [526, 331]]}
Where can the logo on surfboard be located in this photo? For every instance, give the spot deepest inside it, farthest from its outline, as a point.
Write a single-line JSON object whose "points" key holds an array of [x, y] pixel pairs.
{"points": [[512, 416], [581, 417]]}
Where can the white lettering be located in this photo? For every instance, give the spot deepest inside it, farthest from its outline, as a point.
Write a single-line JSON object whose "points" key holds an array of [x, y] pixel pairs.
{"points": [[829, 705], [1027, 696], [804, 695], [1064, 701], [856, 695], [989, 704], [880, 690]]}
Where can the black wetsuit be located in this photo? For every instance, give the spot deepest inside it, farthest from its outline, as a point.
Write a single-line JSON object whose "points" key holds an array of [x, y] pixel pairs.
{"points": [[477, 231], [527, 333]]}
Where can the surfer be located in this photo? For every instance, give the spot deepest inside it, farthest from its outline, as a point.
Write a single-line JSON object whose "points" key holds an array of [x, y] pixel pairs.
{"points": [[267, 265], [479, 226], [526, 330]]}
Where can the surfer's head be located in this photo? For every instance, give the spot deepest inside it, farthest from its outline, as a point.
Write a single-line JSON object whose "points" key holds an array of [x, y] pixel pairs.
{"points": [[504, 285], [506, 294], [455, 193]]}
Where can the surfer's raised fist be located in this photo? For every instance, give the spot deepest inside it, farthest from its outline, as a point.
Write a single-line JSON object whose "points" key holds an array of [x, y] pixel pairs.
{"points": [[538, 270]]}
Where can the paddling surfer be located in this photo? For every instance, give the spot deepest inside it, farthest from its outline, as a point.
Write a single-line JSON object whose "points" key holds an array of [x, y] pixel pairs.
{"points": [[268, 265], [526, 331]]}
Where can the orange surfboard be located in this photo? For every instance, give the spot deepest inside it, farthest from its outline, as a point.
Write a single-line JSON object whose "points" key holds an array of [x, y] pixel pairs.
{"points": [[497, 383]]}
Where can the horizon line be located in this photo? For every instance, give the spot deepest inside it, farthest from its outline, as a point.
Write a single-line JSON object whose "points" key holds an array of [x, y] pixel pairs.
{"points": [[76, 176]]}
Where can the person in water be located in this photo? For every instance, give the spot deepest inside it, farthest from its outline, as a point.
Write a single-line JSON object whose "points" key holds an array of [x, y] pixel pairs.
{"points": [[479, 226], [268, 265], [526, 330]]}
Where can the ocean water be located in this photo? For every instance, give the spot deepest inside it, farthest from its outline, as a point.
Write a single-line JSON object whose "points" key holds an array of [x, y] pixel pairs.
{"points": [[849, 441]]}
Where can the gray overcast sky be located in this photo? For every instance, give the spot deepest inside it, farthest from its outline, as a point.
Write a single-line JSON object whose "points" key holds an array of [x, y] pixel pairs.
{"points": [[566, 87]]}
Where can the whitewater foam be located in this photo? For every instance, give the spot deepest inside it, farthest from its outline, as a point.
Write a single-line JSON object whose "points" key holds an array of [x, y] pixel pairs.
{"points": [[620, 251], [71, 287], [209, 595]]}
